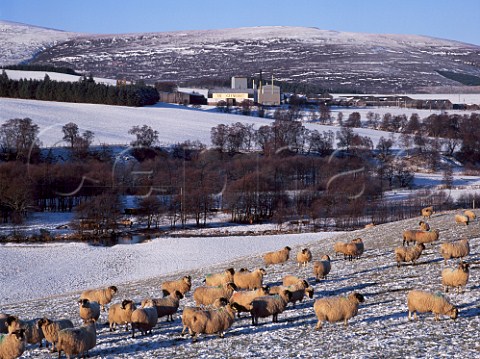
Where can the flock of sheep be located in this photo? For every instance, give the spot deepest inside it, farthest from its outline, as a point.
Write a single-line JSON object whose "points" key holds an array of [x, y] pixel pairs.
{"points": [[228, 294]]}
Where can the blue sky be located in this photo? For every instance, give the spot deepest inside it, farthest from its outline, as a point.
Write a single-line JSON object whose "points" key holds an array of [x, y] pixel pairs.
{"points": [[450, 19]]}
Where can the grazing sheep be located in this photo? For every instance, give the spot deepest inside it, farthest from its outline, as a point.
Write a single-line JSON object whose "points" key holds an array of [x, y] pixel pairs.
{"points": [[269, 305], [209, 321], [421, 301], [304, 256], [121, 313], [403, 254], [188, 311], [427, 237], [353, 249], [462, 219], [297, 290], [12, 345], [335, 309], [207, 295], [470, 214], [427, 212], [245, 279], [144, 319], [166, 306], [33, 333], [458, 249], [359, 247], [290, 279], [183, 285], [102, 296], [50, 329], [455, 277], [277, 257], [321, 268], [76, 341], [409, 235], [424, 226], [212, 280], [89, 310], [243, 299], [369, 225]]}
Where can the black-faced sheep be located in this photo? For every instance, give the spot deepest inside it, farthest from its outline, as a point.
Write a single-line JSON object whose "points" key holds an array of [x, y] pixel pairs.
{"points": [[144, 319], [335, 309], [322, 268], [183, 285], [207, 295], [424, 226], [76, 341], [33, 333], [3, 323], [215, 279], [421, 301], [458, 249], [427, 212], [50, 329], [244, 298], [470, 214], [269, 305], [121, 313], [12, 345], [89, 310], [102, 296], [455, 278], [277, 257], [298, 291], [411, 254], [245, 279], [167, 306], [188, 311], [304, 257]]}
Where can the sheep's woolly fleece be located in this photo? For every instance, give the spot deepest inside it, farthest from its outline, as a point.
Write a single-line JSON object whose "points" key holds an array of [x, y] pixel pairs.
{"points": [[381, 328]]}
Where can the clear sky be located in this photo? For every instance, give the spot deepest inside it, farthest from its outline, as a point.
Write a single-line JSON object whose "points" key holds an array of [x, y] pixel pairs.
{"points": [[449, 19]]}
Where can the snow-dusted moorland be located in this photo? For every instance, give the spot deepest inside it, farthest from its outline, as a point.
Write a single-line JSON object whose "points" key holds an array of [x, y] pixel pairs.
{"points": [[380, 330]]}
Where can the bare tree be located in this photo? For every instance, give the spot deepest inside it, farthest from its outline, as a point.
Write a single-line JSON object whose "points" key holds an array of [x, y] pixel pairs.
{"points": [[18, 136], [145, 136]]}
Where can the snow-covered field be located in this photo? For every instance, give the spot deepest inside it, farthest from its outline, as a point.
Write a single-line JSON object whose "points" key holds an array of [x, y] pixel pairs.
{"points": [[54, 76], [381, 329], [175, 124]]}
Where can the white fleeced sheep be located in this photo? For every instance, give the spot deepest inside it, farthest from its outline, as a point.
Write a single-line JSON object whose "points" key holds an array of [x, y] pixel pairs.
{"points": [[88, 310], [340, 248], [458, 249], [462, 219], [245, 279], [50, 329], [144, 319], [350, 250], [422, 302], [427, 212], [290, 279], [121, 313], [188, 311], [409, 235], [244, 298], [470, 214], [102, 296], [277, 257], [269, 305], [321, 268], [304, 257], [209, 321], [408, 254], [369, 225], [424, 226], [183, 285], [33, 333], [207, 295], [215, 279], [455, 277], [12, 345], [167, 306], [335, 309], [77, 341]]}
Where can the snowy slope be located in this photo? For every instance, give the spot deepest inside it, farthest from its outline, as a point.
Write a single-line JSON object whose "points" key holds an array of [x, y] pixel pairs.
{"points": [[19, 42], [54, 76], [380, 330]]}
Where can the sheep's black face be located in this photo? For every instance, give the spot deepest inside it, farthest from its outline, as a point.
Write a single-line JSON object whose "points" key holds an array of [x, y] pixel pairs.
{"points": [[454, 313], [19, 334], [360, 297], [113, 289]]}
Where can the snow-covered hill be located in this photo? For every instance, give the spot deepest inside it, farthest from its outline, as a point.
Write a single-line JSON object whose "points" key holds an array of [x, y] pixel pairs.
{"points": [[20, 42], [380, 330]]}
